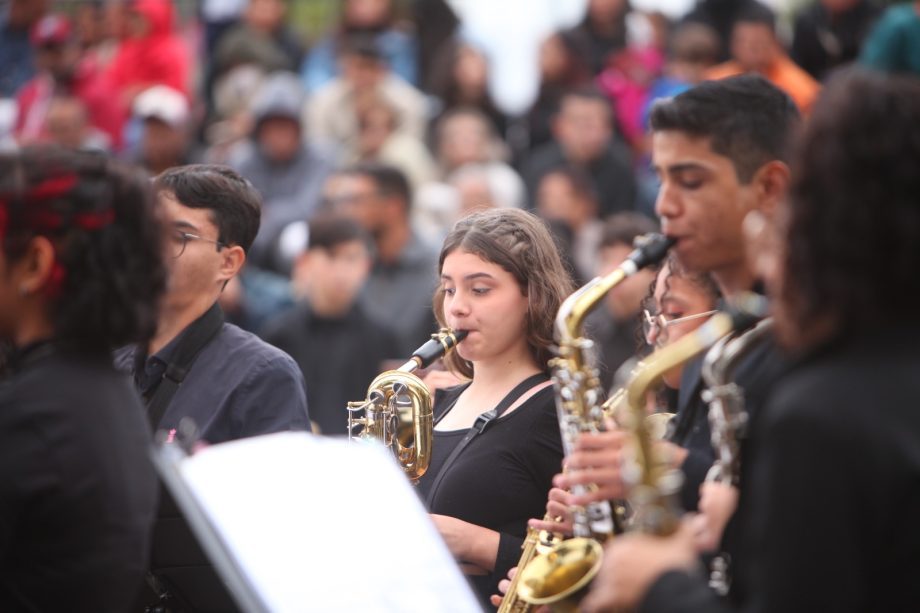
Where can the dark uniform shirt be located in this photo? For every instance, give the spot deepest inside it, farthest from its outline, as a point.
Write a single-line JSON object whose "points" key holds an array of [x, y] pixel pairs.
{"points": [[238, 386], [77, 491]]}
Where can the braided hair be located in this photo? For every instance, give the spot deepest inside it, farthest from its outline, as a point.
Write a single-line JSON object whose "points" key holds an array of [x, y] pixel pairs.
{"points": [[521, 244]]}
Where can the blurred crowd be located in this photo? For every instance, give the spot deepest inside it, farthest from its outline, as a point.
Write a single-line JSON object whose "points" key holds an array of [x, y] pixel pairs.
{"points": [[370, 139]]}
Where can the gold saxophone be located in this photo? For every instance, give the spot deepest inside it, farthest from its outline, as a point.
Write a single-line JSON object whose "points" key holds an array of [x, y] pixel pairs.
{"points": [[398, 411], [558, 579], [578, 404]]}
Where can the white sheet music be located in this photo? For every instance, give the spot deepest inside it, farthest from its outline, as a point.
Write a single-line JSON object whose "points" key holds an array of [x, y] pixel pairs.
{"points": [[324, 525]]}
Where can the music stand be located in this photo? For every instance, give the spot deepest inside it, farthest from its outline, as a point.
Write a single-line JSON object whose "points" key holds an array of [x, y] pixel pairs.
{"points": [[294, 522]]}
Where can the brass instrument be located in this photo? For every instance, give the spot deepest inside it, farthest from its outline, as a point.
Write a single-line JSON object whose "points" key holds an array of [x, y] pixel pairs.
{"points": [[398, 409], [578, 404], [727, 417], [577, 386], [653, 483], [536, 542]]}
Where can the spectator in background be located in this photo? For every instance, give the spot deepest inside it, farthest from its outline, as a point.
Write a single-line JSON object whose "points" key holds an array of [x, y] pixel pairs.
{"points": [[374, 18], [262, 39], [584, 138], [379, 140], [435, 23], [830, 33], [755, 48], [149, 54], [166, 133], [465, 138], [566, 195], [601, 33], [461, 81], [332, 112], [720, 15], [894, 44], [286, 170], [616, 327], [402, 281], [338, 347], [561, 69], [62, 71], [67, 125], [16, 21]]}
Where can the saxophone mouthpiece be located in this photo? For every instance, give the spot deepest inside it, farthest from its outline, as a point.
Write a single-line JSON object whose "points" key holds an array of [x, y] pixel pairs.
{"points": [[440, 343], [650, 248]]}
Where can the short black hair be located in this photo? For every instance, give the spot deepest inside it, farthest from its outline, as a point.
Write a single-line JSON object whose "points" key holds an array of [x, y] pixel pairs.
{"points": [[389, 180], [585, 92], [747, 119], [757, 13], [624, 228], [580, 181], [235, 205], [327, 231], [105, 289]]}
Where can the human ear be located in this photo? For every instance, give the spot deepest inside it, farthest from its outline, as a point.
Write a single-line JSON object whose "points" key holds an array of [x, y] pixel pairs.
{"points": [[35, 268], [772, 183], [232, 259]]}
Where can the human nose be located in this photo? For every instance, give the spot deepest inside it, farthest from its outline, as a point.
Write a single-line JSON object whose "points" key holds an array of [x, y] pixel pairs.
{"points": [[666, 204], [458, 305]]}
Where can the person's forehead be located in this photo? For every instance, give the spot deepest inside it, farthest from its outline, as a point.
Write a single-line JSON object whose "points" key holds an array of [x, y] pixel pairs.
{"points": [[676, 148], [178, 214]]}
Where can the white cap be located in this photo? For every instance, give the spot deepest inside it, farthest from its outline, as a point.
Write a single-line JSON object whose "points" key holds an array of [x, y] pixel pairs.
{"points": [[164, 103]]}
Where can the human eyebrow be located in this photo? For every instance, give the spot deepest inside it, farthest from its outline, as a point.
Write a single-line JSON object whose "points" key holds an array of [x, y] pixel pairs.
{"points": [[184, 225], [478, 275]]}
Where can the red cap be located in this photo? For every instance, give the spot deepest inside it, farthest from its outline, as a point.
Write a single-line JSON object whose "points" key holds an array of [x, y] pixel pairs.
{"points": [[50, 30]]}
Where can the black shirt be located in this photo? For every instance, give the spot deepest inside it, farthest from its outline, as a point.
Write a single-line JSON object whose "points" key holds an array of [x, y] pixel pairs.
{"points": [[338, 357], [830, 488], [238, 386], [501, 479], [77, 491]]}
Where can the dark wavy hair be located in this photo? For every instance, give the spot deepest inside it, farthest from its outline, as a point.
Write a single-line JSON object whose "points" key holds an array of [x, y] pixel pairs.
{"points": [[747, 119], [852, 226], [521, 244], [108, 274]]}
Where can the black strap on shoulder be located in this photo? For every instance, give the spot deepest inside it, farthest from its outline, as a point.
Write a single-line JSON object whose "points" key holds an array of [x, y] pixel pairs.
{"points": [[198, 335], [482, 422]]}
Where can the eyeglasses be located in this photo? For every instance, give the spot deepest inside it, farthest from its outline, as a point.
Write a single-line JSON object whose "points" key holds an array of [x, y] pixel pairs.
{"points": [[181, 239], [660, 323]]}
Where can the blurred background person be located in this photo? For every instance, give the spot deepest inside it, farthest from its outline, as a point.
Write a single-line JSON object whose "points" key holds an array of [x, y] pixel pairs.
{"points": [[374, 18], [894, 43], [286, 169], [830, 33], [337, 346], [756, 48], [584, 137], [331, 112], [16, 56], [63, 69], [67, 125], [165, 129], [402, 280]]}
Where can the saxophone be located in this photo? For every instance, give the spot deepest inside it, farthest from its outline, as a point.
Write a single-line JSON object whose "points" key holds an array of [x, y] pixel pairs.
{"points": [[727, 417], [578, 405], [405, 427], [653, 484]]}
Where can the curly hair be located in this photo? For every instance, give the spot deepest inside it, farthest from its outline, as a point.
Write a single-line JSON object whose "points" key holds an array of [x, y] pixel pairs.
{"points": [[521, 244], [108, 274], [852, 225]]}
